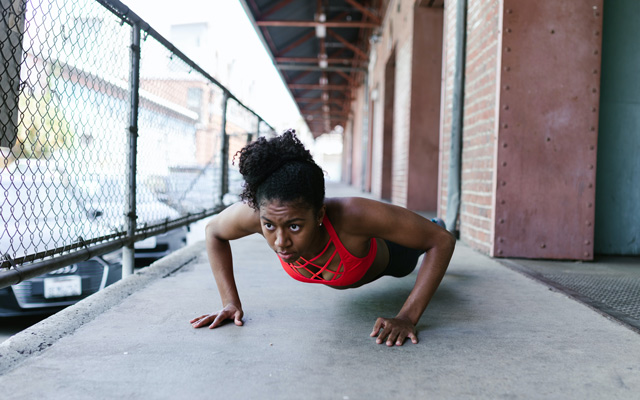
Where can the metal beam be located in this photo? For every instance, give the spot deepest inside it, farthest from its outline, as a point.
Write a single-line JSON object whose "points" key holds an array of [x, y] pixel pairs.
{"points": [[331, 114], [274, 8], [316, 100], [318, 86], [313, 24], [296, 43], [291, 67], [342, 40], [364, 10], [316, 60], [347, 77]]}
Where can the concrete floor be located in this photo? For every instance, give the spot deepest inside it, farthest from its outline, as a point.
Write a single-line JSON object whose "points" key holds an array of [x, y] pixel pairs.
{"points": [[490, 332]]}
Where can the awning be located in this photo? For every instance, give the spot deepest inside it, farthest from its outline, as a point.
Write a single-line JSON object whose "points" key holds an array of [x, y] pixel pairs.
{"points": [[321, 49]]}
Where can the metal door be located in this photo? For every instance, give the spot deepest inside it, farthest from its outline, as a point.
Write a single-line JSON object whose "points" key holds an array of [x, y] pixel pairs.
{"points": [[617, 228]]}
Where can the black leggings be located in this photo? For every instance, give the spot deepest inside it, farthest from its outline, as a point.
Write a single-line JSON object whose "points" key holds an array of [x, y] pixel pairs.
{"points": [[402, 260]]}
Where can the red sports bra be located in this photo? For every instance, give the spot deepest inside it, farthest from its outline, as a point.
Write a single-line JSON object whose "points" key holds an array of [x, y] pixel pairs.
{"points": [[350, 270]]}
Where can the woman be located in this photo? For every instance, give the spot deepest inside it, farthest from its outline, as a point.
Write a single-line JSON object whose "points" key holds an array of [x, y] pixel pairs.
{"points": [[339, 242]]}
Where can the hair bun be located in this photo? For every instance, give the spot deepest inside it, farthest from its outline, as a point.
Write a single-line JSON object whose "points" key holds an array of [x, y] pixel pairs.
{"points": [[262, 158]]}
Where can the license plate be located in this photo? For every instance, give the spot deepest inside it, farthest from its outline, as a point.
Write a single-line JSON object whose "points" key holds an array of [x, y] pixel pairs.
{"points": [[62, 286], [148, 243]]}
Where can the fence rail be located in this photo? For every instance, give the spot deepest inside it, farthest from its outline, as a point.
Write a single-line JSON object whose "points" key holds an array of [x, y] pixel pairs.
{"points": [[109, 135]]}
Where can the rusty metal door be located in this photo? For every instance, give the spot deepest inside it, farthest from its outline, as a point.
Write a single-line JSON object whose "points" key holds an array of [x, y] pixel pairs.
{"points": [[617, 223], [547, 129]]}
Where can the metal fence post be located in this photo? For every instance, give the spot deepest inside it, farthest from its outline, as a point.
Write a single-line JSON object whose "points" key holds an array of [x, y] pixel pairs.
{"points": [[224, 150], [11, 33], [128, 259]]}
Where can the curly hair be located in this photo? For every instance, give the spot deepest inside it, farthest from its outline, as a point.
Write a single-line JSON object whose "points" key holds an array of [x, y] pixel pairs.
{"points": [[280, 169]]}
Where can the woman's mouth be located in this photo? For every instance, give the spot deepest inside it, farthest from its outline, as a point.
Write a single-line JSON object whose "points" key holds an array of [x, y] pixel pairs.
{"points": [[286, 256]]}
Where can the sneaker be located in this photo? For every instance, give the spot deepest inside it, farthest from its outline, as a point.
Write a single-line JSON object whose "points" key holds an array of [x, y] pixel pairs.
{"points": [[439, 222]]}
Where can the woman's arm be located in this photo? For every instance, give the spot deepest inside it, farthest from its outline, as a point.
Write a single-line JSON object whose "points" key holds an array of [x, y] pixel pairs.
{"points": [[432, 269], [235, 222], [409, 229]]}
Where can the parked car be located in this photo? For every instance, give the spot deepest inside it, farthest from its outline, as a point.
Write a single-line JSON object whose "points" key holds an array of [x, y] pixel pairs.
{"points": [[37, 212], [49, 293], [106, 197]]}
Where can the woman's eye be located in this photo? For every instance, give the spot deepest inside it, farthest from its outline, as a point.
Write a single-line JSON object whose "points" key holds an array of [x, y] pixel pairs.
{"points": [[268, 226], [294, 228]]}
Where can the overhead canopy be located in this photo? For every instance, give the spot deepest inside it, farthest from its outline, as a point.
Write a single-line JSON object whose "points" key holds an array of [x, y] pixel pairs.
{"points": [[321, 49]]}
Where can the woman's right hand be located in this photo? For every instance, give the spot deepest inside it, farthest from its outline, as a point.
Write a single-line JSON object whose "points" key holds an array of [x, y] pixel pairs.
{"points": [[230, 311]]}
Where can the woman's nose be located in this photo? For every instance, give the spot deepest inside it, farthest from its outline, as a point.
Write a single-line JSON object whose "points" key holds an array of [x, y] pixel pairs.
{"points": [[281, 239]]}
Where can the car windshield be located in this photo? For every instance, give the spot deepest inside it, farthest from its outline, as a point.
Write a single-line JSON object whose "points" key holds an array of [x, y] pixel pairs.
{"points": [[107, 197], [113, 190], [39, 212]]}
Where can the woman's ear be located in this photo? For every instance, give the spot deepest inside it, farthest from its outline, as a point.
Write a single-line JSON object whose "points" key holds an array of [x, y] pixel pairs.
{"points": [[321, 214]]}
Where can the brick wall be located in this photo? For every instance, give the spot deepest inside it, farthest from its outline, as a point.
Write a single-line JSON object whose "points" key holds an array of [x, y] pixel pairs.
{"points": [[479, 119], [481, 103], [404, 126], [377, 139], [401, 124], [347, 149], [531, 101], [529, 126], [394, 49], [384, 87], [358, 111]]}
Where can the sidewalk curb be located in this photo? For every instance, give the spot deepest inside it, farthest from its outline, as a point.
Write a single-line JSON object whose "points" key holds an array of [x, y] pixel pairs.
{"points": [[39, 337]]}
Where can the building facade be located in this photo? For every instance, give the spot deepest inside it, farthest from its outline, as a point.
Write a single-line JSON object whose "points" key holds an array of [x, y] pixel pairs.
{"points": [[517, 120]]}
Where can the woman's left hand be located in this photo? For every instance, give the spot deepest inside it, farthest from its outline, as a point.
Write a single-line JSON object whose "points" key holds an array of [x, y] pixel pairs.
{"points": [[394, 331]]}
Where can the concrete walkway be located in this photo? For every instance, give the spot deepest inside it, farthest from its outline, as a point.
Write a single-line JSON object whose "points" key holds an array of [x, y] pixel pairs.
{"points": [[489, 332]]}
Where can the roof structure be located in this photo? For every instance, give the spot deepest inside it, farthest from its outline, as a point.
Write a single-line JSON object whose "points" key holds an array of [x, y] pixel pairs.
{"points": [[321, 49]]}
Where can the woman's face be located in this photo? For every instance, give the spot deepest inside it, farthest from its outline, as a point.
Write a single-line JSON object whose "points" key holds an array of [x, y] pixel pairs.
{"points": [[291, 229]]}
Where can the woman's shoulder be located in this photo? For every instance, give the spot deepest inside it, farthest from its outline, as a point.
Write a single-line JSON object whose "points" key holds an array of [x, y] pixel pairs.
{"points": [[349, 213], [337, 207], [351, 205], [367, 217], [235, 221]]}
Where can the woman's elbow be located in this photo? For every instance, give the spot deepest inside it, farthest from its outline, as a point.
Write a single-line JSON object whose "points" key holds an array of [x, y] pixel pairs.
{"points": [[211, 229], [447, 241]]}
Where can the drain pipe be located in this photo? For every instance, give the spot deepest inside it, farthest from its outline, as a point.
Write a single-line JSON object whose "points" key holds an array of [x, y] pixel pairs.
{"points": [[365, 135], [455, 158]]}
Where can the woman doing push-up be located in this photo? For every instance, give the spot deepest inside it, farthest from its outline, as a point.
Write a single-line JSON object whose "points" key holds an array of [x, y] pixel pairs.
{"points": [[339, 242]]}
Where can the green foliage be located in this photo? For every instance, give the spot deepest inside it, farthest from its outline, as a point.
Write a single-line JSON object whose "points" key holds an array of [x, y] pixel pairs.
{"points": [[42, 127]]}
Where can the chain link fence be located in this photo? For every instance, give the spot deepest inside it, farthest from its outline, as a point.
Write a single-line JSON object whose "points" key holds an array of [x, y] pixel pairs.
{"points": [[109, 134]]}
